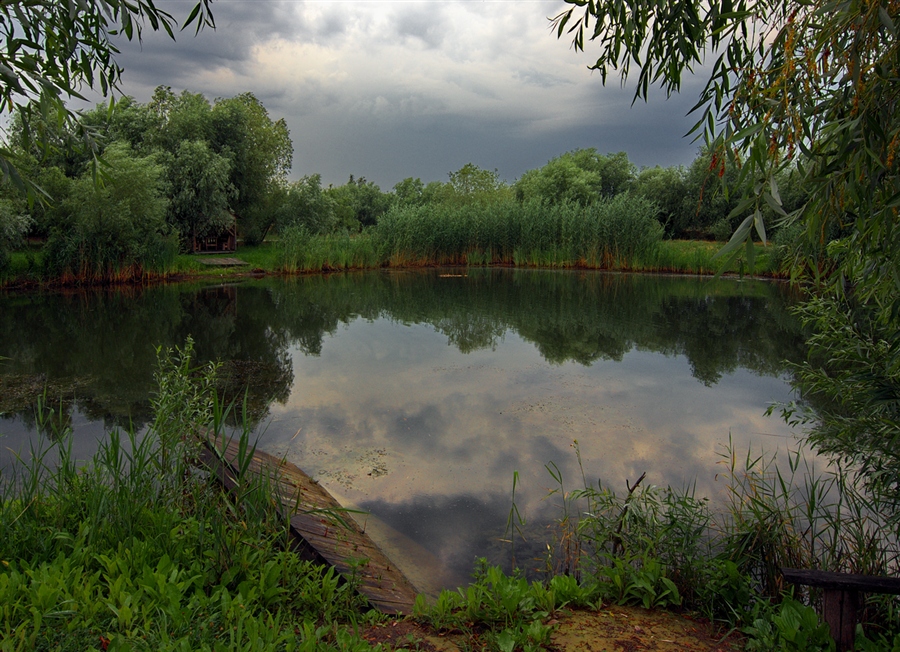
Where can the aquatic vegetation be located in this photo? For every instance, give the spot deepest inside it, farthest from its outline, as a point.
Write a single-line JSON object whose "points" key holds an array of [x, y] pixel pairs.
{"points": [[532, 233], [661, 546], [137, 549]]}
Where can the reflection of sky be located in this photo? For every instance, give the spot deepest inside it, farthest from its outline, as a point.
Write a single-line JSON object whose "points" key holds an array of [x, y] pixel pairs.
{"points": [[19, 441], [391, 418]]}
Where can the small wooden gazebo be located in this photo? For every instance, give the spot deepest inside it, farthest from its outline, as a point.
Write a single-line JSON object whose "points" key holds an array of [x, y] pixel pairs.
{"points": [[216, 243]]}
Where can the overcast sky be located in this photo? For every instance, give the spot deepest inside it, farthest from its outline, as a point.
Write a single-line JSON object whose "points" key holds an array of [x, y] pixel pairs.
{"points": [[389, 90]]}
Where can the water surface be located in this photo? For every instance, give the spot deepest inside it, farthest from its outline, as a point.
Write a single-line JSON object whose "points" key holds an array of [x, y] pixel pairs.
{"points": [[417, 395]]}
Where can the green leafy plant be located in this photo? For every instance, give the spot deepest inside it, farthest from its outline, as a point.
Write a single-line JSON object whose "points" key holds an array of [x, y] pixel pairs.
{"points": [[790, 627], [512, 609], [137, 549], [638, 582]]}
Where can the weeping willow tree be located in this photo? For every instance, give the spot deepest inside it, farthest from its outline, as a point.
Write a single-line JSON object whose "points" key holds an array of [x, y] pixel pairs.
{"points": [[810, 84], [51, 51]]}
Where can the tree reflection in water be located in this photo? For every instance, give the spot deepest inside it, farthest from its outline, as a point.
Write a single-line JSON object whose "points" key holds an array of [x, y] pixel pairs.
{"points": [[94, 353]]}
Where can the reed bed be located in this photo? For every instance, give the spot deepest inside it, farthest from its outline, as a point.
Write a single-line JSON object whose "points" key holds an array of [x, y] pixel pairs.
{"points": [[659, 546], [78, 258], [530, 234], [620, 233], [302, 252]]}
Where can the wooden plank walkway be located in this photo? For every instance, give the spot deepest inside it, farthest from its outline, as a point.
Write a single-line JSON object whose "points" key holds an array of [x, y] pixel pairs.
{"points": [[318, 536], [222, 262]]}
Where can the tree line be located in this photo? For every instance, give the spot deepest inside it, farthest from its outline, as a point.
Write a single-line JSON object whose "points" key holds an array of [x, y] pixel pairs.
{"points": [[180, 168], [253, 328]]}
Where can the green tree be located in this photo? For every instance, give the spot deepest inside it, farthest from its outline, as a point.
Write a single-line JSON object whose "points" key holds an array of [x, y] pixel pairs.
{"points": [[260, 150], [359, 203], [57, 187], [125, 120], [200, 191], [409, 192], [469, 184], [174, 118], [471, 179], [14, 223], [304, 203], [113, 230], [561, 180], [665, 187], [616, 172], [581, 176], [237, 135], [711, 194], [52, 50], [435, 192]]}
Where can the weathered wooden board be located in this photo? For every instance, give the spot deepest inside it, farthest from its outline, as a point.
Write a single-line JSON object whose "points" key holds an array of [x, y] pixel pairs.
{"points": [[318, 535], [842, 581], [222, 262]]}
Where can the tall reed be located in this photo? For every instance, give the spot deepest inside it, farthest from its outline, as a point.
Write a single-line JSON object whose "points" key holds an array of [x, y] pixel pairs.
{"points": [[300, 251], [776, 513], [90, 257], [603, 234]]}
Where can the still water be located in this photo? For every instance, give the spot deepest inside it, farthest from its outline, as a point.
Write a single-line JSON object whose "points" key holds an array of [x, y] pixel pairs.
{"points": [[416, 395]]}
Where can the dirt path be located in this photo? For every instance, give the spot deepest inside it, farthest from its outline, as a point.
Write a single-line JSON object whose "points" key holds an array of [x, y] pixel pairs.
{"points": [[611, 629]]}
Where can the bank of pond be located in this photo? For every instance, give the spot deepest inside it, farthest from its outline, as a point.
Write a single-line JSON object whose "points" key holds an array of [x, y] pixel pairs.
{"points": [[621, 233], [443, 402]]}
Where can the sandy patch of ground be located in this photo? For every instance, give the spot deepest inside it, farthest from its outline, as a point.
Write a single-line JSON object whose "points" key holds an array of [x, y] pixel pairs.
{"points": [[610, 629]]}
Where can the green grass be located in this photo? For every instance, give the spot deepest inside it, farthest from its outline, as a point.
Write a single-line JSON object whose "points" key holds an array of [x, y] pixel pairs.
{"points": [[697, 257], [24, 264], [138, 550], [263, 256]]}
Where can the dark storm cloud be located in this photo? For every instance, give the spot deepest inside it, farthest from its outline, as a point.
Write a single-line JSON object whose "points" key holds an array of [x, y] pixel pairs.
{"points": [[245, 23], [431, 146], [392, 90], [423, 23]]}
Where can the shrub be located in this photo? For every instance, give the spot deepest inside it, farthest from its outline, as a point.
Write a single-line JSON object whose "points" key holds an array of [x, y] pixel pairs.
{"points": [[112, 228]]}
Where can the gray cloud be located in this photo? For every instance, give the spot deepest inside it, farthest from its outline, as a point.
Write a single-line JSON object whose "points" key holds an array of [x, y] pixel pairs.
{"points": [[391, 90], [424, 23], [539, 78]]}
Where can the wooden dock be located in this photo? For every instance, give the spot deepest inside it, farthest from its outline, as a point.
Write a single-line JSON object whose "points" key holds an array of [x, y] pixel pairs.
{"points": [[315, 532], [222, 262]]}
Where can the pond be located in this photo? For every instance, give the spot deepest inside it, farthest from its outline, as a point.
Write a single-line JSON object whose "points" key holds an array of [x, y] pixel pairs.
{"points": [[416, 395]]}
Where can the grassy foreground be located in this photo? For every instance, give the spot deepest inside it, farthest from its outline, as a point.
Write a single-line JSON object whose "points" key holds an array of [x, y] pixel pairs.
{"points": [[137, 550]]}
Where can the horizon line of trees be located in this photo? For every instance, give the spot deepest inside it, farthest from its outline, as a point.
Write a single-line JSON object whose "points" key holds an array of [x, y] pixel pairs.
{"points": [[179, 168]]}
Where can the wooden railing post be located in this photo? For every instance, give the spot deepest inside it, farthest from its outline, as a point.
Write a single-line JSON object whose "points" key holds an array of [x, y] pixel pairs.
{"points": [[839, 612], [840, 597]]}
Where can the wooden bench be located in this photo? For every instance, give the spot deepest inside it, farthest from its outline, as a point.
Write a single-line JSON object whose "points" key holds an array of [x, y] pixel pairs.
{"points": [[840, 597]]}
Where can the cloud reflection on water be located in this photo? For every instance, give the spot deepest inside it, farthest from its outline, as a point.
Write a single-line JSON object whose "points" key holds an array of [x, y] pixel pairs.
{"points": [[427, 438], [405, 391]]}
